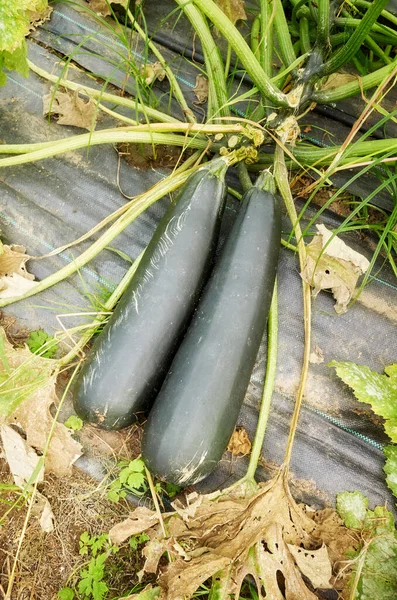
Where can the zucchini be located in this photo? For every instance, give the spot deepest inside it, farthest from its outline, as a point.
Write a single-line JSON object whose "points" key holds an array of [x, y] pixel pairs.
{"points": [[197, 408], [131, 357]]}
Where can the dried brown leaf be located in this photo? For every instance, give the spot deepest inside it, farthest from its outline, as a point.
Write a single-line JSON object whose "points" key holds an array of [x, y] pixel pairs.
{"points": [[332, 265], [70, 109], [21, 458], [314, 564], [201, 89], [153, 71], [140, 520], [335, 80], [14, 278], [317, 356], [101, 7], [239, 442], [233, 9]]}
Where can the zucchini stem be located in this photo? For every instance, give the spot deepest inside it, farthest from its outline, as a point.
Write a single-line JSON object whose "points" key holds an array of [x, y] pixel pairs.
{"points": [[281, 177], [272, 340]]}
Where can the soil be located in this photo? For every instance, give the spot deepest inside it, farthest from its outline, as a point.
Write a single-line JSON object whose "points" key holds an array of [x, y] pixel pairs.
{"points": [[145, 156]]}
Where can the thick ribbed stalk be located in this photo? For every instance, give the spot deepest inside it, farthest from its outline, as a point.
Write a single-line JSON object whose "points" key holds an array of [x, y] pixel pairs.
{"points": [[243, 51], [354, 87], [355, 41], [287, 51], [266, 37], [304, 33], [213, 60], [323, 23]]}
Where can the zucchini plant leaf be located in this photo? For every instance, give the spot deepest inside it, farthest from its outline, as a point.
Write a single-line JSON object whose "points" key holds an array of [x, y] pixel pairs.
{"points": [[16, 19], [332, 265], [70, 109], [231, 534], [380, 391], [390, 467], [233, 9], [374, 562]]}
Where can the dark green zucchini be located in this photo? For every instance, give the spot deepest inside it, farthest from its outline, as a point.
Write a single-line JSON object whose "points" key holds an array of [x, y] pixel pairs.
{"points": [[196, 410], [131, 357]]}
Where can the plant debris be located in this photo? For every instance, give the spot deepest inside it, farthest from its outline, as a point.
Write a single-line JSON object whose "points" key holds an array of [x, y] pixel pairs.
{"points": [[233, 9], [239, 442], [70, 109], [201, 89], [28, 405], [152, 71], [229, 535], [15, 280], [333, 265]]}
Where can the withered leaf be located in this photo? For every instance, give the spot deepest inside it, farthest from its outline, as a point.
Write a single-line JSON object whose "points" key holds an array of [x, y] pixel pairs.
{"points": [[27, 393], [15, 280], [332, 265], [70, 109], [21, 458], [239, 442], [201, 89], [140, 520], [153, 71], [101, 7], [314, 564], [233, 9], [317, 356], [231, 536], [336, 80]]}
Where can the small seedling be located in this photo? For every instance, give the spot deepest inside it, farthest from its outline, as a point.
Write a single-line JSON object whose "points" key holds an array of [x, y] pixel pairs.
{"points": [[39, 342], [74, 422], [131, 479]]}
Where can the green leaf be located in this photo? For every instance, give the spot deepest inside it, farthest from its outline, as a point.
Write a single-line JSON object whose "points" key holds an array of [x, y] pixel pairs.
{"points": [[380, 391], [113, 496], [99, 589], [352, 508], [74, 422], [84, 586], [378, 578], [66, 593], [137, 466], [390, 467], [172, 489], [136, 481], [39, 342]]}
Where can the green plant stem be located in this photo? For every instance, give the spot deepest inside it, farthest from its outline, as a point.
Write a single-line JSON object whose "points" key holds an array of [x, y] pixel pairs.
{"points": [[175, 87], [266, 37], [134, 105], [323, 23], [385, 13], [377, 50], [104, 137], [272, 340], [244, 177], [304, 34], [255, 36], [354, 87], [108, 306], [386, 32], [354, 43], [281, 177], [212, 56], [286, 48], [167, 185], [243, 51]]}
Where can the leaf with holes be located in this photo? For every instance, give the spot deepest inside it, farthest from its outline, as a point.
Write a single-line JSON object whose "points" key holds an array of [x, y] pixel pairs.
{"points": [[332, 265]]}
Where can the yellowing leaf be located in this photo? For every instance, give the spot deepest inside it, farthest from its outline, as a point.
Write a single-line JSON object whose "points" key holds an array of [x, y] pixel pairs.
{"points": [[201, 89], [239, 442], [70, 109], [332, 265], [336, 80], [233, 9]]}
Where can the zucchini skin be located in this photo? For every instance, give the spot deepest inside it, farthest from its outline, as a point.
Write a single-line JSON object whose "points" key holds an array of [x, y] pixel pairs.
{"points": [[197, 408], [131, 357]]}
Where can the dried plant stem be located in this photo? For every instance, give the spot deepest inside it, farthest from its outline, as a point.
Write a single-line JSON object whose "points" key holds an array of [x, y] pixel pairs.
{"points": [[281, 177]]}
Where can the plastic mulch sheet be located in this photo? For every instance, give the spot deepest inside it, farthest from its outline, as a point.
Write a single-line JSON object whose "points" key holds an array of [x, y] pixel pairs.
{"points": [[46, 204]]}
